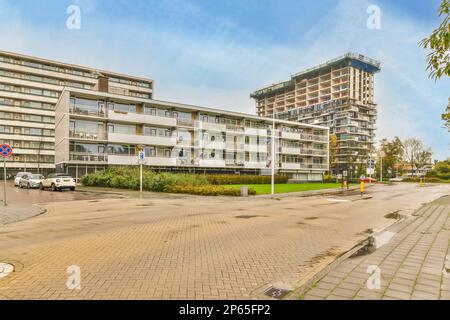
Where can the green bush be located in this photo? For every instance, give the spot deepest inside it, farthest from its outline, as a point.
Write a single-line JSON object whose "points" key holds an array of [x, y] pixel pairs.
{"points": [[128, 178], [224, 179], [207, 190], [426, 179]]}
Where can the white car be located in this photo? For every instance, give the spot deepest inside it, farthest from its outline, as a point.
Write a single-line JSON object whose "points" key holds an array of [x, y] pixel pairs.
{"points": [[58, 182], [397, 179], [18, 176], [31, 181]]}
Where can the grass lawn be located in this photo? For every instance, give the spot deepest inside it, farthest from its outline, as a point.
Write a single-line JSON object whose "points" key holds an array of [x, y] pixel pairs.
{"points": [[285, 188]]}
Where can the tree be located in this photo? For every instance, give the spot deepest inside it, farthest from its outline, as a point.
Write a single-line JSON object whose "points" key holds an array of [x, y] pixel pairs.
{"points": [[393, 153], [415, 153], [439, 44], [438, 60], [446, 116]]}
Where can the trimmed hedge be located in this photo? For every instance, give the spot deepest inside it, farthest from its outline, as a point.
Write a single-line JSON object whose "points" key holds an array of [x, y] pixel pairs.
{"points": [[426, 179], [128, 178], [208, 190], [223, 179]]}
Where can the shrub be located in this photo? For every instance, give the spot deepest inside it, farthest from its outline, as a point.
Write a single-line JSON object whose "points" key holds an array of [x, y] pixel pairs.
{"points": [[426, 179], [207, 190], [128, 178], [224, 179]]}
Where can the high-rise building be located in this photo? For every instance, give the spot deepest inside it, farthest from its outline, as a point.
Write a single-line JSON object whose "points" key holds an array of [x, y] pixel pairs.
{"points": [[338, 94], [64, 118], [29, 90]]}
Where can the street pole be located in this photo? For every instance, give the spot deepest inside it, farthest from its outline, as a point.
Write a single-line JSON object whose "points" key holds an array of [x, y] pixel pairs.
{"points": [[273, 154], [4, 181], [381, 169], [140, 178]]}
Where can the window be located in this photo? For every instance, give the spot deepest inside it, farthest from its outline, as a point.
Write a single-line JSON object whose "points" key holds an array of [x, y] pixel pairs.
{"points": [[150, 111], [149, 131], [121, 149], [150, 151], [122, 129]]}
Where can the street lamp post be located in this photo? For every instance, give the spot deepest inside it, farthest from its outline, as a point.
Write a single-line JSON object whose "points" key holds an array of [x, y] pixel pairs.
{"points": [[273, 155], [381, 154]]}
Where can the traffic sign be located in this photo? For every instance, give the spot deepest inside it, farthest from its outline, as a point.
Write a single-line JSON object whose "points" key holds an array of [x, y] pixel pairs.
{"points": [[5, 150]]}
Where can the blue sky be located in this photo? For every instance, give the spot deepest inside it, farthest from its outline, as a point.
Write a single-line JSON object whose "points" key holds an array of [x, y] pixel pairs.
{"points": [[214, 53]]}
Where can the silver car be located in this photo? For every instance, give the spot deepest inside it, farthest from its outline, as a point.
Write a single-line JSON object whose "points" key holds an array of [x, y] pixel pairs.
{"points": [[19, 176], [31, 181]]}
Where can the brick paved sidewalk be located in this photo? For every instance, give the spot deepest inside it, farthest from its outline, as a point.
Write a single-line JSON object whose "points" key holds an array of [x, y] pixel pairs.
{"points": [[13, 212], [414, 264]]}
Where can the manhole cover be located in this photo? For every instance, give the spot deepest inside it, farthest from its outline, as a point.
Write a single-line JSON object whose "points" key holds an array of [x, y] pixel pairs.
{"points": [[276, 293], [5, 269]]}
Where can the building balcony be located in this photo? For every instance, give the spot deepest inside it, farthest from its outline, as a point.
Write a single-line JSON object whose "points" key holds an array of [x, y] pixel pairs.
{"points": [[88, 157], [133, 160], [211, 163], [235, 128], [160, 161], [255, 165], [210, 126], [290, 135], [212, 145], [312, 166], [83, 111], [290, 166], [141, 118], [87, 135], [261, 148], [290, 150], [256, 132], [139, 139]]}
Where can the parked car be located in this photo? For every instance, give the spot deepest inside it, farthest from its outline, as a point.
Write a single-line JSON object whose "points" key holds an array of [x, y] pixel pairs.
{"points": [[58, 182], [396, 179], [31, 181], [18, 176]]}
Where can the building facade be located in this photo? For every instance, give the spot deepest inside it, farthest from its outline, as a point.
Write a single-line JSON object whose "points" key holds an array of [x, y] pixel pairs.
{"points": [[29, 90], [95, 130], [338, 94], [60, 117]]}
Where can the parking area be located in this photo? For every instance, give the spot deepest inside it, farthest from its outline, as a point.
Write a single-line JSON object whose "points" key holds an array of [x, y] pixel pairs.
{"points": [[20, 196]]}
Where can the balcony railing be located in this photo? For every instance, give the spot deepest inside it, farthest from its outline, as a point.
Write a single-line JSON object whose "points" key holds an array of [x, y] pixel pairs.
{"points": [[80, 110], [87, 135], [88, 157]]}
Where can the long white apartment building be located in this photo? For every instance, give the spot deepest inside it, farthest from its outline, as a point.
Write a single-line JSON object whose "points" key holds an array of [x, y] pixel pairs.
{"points": [[61, 117], [95, 130], [29, 90]]}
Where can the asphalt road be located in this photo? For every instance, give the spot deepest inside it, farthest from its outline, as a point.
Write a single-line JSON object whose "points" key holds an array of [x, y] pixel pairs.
{"points": [[190, 247]]}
